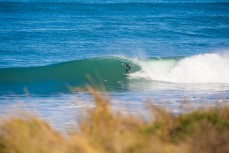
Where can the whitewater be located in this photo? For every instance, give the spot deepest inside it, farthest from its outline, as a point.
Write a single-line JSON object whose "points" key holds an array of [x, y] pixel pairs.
{"points": [[201, 68]]}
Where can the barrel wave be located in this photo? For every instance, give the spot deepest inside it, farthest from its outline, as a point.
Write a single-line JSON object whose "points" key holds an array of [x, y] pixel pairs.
{"points": [[110, 72]]}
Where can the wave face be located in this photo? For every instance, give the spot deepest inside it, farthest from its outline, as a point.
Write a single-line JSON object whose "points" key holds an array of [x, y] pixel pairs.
{"points": [[198, 69], [110, 72]]}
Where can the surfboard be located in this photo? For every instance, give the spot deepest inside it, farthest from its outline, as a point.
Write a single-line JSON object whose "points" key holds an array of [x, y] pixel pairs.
{"points": [[125, 74]]}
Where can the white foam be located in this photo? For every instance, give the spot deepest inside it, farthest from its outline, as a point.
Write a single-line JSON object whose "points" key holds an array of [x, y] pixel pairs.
{"points": [[202, 68]]}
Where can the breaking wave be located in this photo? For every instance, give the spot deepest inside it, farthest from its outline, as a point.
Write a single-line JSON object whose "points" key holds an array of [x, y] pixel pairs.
{"points": [[109, 71]]}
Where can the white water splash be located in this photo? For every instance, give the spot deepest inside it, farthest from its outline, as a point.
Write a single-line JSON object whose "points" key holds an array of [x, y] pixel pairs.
{"points": [[202, 68]]}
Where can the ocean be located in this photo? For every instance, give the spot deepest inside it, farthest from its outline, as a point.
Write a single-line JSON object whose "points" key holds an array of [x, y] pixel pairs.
{"points": [[178, 52]]}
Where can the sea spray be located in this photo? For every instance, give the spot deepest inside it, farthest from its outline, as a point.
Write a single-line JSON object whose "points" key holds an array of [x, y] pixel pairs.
{"points": [[201, 68]]}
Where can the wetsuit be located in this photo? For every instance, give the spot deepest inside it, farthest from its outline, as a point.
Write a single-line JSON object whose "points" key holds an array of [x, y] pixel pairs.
{"points": [[127, 67]]}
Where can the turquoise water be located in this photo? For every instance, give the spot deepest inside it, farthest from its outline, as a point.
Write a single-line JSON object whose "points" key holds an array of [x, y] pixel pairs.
{"points": [[177, 50]]}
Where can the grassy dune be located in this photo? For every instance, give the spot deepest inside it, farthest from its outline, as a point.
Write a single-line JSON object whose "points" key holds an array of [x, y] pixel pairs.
{"points": [[103, 131]]}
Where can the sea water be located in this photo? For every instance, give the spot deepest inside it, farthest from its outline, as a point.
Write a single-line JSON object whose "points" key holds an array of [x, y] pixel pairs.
{"points": [[178, 52]]}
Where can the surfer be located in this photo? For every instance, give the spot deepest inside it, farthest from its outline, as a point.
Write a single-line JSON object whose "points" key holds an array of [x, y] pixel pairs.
{"points": [[127, 67]]}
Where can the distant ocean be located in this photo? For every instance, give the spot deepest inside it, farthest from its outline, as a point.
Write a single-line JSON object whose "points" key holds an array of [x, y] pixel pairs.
{"points": [[178, 51]]}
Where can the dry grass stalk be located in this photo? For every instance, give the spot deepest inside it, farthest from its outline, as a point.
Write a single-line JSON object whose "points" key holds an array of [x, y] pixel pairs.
{"points": [[103, 131]]}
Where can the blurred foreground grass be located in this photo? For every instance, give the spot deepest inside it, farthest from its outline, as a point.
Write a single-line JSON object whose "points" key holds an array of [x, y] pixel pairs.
{"points": [[103, 131]]}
